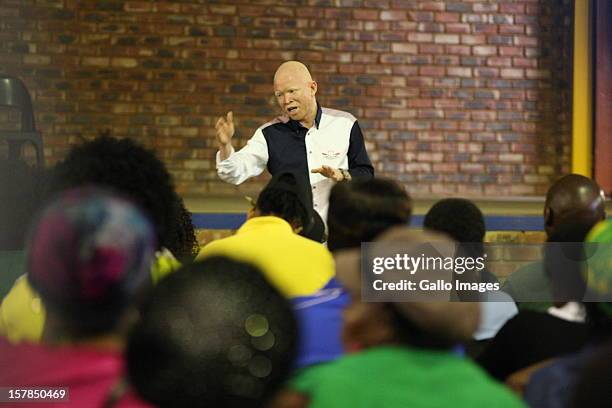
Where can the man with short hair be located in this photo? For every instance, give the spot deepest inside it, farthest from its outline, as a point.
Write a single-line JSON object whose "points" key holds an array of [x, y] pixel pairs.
{"points": [[323, 144], [463, 221], [553, 385], [569, 197], [361, 210]]}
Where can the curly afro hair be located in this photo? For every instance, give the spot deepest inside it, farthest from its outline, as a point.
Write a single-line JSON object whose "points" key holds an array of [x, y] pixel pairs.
{"points": [[360, 210], [187, 247], [130, 169], [457, 217]]}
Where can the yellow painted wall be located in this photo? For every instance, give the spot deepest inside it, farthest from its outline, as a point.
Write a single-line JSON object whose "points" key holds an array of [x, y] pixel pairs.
{"points": [[582, 137]]}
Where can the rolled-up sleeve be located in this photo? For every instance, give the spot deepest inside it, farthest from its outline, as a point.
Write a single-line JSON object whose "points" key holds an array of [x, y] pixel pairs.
{"points": [[250, 161], [359, 162]]}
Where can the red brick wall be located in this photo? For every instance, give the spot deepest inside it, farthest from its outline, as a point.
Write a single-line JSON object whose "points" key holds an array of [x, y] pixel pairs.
{"points": [[457, 97]]}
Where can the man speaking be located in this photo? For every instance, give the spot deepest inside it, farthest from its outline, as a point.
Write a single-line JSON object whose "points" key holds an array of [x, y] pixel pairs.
{"points": [[325, 144]]}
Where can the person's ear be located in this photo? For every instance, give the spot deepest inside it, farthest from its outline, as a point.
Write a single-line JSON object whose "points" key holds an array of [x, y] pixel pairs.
{"points": [[548, 217], [252, 213], [297, 226], [313, 88], [549, 220]]}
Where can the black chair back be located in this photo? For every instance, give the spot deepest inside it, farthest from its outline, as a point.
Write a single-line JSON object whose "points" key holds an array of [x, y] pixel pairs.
{"points": [[14, 94]]}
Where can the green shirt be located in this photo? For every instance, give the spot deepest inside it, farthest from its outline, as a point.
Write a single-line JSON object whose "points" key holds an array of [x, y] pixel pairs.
{"points": [[402, 377], [529, 287]]}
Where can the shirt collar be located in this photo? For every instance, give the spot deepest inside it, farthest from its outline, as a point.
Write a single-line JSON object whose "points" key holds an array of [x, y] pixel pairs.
{"points": [[265, 221], [295, 125], [571, 311]]}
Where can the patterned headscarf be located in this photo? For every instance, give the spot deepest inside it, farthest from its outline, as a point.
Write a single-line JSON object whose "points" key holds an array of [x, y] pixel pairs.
{"points": [[89, 248]]}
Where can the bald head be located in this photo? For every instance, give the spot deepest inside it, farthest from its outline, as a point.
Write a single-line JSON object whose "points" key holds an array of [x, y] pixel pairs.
{"points": [[295, 92], [571, 195], [294, 69]]}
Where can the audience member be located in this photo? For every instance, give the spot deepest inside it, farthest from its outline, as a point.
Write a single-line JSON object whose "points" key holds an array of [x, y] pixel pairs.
{"points": [[127, 167], [569, 195], [593, 385], [402, 353], [532, 336], [554, 385], [130, 169], [301, 269], [214, 334], [463, 221], [361, 210], [317, 231], [269, 239], [88, 257]]}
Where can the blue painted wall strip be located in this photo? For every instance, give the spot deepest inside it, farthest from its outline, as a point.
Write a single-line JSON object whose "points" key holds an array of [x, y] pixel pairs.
{"points": [[502, 222], [218, 221], [493, 222]]}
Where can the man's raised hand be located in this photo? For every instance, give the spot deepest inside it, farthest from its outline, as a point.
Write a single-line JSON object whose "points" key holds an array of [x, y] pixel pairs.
{"points": [[224, 132], [225, 128]]}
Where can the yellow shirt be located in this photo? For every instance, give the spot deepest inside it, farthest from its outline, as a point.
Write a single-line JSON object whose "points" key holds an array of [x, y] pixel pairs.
{"points": [[297, 266], [22, 315]]}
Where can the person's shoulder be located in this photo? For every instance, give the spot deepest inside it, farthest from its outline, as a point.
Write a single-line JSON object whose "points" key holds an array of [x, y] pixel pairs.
{"points": [[329, 113], [308, 379], [527, 318], [534, 321], [484, 391], [553, 380], [279, 120], [311, 246], [528, 271], [527, 277], [342, 368], [219, 246], [498, 296]]}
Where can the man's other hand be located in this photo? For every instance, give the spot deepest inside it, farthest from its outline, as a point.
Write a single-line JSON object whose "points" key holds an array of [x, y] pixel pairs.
{"points": [[329, 172]]}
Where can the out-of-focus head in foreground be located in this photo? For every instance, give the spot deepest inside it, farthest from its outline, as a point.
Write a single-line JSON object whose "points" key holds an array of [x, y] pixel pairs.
{"points": [[213, 334]]}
